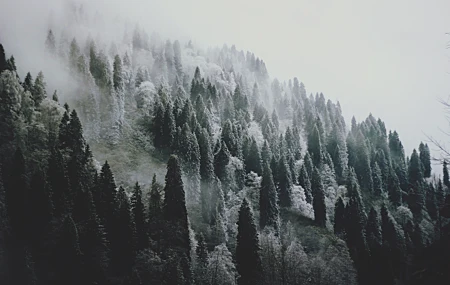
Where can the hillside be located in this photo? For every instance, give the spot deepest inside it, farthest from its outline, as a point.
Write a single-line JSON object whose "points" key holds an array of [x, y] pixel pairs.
{"points": [[158, 162]]}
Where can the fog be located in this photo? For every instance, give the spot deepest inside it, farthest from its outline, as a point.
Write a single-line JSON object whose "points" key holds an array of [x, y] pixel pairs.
{"points": [[386, 58]]}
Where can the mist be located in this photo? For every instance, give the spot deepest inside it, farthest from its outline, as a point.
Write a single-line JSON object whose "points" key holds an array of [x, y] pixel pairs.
{"points": [[388, 59]]}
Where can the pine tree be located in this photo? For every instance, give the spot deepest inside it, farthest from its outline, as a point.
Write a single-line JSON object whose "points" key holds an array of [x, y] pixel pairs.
{"points": [[268, 207], [58, 182], [266, 153], [117, 74], [440, 194], [3, 64], [202, 261], [415, 169], [253, 160], [106, 201], [446, 178], [155, 214], [315, 146], [377, 180], [394, 190], [284, 183], [425, 159], [123, 253], [430, 201], [206, 156], [305, 182], [248, 261], [50, 42], [168, 128], [320, 211], [339, 218], [138, 210], [39, 93], [28, 84], [157, 125], [175, 214], [221, 160], [374, 242], [307, 161]]}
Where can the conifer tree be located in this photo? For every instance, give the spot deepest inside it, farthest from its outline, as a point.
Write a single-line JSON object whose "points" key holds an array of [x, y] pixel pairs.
{"points": [[58, 182], [374, 243], [221, 159], [248, 261], [117, 74], [430, 201], [268, 207], [440, 194], [28, 84], [157, 125], [106, 201], [394, 190], [415, 169], [305, 182], [377, 180], [266, 153], [446, 178], [284, 183], [155, 214], [123, 253], [202, 260], [339, 218], [253, 159], [307, 161], [425, 159], [50, 42], [320, 211], [206, 156], [138, 210], [3, 64], [168, 129], [39, 93], [315, 146], [176, 235]]}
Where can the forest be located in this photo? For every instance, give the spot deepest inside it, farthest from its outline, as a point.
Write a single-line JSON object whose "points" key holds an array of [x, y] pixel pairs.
{"points": [[164, 163]]}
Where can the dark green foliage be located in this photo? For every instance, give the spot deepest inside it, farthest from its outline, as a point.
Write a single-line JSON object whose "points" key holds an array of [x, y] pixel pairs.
{"points": [[393, 188], [15, 190], [3, 64], [305, 182], [284, 183], [315, 146], [307, 161], [425, 159], [253, 159], [176, 231], [168, 127], [320, 210], [339, 218], [138, 210], [446, 178], [430, 201], [221, 159], [122, 244], [248, 261], [28, 83], [206, 156], [268, 207], [415, 169], [105, 200], [155, 214]]}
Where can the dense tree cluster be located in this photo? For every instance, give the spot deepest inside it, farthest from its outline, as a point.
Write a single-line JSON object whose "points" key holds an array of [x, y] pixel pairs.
{"points": [[264, 184]]}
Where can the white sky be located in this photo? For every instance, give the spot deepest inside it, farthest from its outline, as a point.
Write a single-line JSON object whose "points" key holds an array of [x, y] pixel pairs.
{"points": [[387, 57]]}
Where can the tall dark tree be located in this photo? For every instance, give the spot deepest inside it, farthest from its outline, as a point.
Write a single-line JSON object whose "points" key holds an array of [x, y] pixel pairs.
{"points": [[138, 210], [106, 201], [446, 178], [155, 214], [425, 159], [415, 169], [168, 129], [374, 242], [123, 248], [268, 207], [339, 218], [305, 182], [58, 182], [248, 261], [3, 64], [175, 214], [320, 210], [307, 161], [221, 159], [117, 74], [284, 183], [315, 146], [253, 159]]}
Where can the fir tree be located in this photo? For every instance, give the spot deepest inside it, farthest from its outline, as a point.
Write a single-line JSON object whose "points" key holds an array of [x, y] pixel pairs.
{"points": [[430, 201], [315, 146], [221, 159], [284, 182], [168, 129], [124, 230], [155, 214], [138, 210], [268, 207], [446, 178], [28, 84], [339, 218], [253, 160], [206, 156], [425, 159], [377, 180], [248, 261], [3, 64], [58, 182], [305, 182], [415, 169], [320, 211], [50, 42], [39, 93], [175, 214], [307, 161], [117, 74]]}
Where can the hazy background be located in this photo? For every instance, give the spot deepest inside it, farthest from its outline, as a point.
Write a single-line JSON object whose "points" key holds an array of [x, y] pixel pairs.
{"points": [[388, 57]]}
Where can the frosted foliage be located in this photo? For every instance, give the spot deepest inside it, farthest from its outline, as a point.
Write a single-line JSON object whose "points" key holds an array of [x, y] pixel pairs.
{"points": [[428, 229], [402, 215], [254, 130], [145, 95], [296, 263], [221, 269], [299, 202]]}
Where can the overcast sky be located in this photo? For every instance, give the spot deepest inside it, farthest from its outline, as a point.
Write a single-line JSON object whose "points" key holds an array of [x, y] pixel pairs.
{"points": [[388, 57]]}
